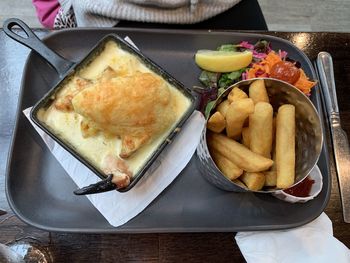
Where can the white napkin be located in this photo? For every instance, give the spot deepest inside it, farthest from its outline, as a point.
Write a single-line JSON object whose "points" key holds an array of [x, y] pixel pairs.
{"points": [[313, 242], [119, 208]]}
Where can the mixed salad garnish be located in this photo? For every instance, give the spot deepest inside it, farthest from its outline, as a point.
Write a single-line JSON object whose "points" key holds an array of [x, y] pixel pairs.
{"points": [[263, 62]]}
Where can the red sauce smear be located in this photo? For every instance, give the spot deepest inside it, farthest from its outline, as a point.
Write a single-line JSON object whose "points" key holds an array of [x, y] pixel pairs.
{"points": [[302, 189]]}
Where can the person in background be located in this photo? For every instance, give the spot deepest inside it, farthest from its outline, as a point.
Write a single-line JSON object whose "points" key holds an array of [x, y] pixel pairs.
{"points": [[52, 14], [179, 14]]}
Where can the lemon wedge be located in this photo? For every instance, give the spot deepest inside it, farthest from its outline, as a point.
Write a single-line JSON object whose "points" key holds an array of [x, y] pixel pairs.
{"points": [[222, 61]]}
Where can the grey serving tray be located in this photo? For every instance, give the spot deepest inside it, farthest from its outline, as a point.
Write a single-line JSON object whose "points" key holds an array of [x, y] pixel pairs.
{"points": [[41, 193]]}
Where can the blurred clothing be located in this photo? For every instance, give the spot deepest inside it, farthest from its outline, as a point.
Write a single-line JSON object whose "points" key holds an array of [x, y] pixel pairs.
{"points": [[194, 14], [46, 11], [106, 13], [65, 19], [246, 15]]}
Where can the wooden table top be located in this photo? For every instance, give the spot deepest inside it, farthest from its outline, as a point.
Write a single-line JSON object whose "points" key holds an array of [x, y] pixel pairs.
{"points": [[189, 247]]}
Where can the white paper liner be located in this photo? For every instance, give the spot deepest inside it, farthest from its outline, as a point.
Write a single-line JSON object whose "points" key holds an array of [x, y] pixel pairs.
{"points": [[118, 208]]}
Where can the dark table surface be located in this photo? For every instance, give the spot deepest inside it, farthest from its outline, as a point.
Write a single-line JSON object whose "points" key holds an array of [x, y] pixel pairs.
{"points": [[196, 247]]}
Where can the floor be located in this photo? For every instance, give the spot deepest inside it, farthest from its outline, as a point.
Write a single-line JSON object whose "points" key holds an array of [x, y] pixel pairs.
{"points": [[307, 15], [280, 15]]}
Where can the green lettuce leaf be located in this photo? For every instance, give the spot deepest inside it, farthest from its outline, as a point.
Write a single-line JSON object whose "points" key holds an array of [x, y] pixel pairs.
{"points": [[227, 79], [209, 79], [208, 108], [227, 47], [210, 104]]}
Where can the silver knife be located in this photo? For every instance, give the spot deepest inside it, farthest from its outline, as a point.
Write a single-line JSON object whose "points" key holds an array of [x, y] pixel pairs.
{"points": [[339, 137]]}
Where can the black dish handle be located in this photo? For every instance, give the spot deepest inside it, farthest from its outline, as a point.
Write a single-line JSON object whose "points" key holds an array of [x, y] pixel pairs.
{"points": [[61, 64], [99, 187]]}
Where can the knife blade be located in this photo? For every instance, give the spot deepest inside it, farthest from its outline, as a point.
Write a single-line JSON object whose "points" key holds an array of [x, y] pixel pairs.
{"points": [[339, 138]]}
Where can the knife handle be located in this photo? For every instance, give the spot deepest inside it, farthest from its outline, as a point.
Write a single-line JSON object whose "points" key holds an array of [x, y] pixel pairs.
{"points": [[326, 75]]}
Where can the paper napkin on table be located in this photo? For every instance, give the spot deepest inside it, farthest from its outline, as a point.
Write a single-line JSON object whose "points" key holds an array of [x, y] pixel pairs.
{"points": [[119, 208], [313, 242]]}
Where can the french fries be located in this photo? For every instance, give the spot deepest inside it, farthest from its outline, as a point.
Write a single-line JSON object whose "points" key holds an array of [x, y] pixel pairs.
{"points": [[262, 135], [257, 91], [273, 167], [236, 94], [216, 122], [254, 181], [238, 153], [240, 183], [227, 167], [260, 127], [222, 107], [285, 146], [236, 114], [270, 178], [246, 137]]}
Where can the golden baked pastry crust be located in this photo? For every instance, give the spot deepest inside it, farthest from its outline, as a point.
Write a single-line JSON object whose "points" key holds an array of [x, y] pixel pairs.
{"points": [[135, 107]]}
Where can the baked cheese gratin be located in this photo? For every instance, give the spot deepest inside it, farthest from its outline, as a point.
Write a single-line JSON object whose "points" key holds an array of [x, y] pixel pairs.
{"points": [[115, 112]]}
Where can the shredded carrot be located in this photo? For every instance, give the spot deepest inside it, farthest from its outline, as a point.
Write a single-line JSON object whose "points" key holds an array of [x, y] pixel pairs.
{"points": [[303, 83], [262, 69], [253, 72], [271, 59]]}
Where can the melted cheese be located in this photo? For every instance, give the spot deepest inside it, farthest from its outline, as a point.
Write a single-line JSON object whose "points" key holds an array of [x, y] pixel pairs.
{"points": [[67, 124]]}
